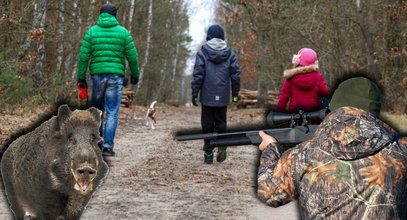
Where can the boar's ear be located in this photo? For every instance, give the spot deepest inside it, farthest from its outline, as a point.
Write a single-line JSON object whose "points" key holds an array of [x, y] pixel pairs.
{"points": [[96, 114], [63, 114]]}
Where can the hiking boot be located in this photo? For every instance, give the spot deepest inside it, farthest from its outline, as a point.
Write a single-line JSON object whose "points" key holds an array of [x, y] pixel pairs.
{"points": [[108, 152], [208, 157], [221, 155]]}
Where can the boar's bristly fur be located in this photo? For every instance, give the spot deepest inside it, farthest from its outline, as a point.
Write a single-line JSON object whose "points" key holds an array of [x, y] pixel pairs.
{"points": [[51, 172]]}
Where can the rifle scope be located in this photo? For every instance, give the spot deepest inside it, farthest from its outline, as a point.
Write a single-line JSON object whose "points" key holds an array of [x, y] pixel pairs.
{"points": [[276, 118]]}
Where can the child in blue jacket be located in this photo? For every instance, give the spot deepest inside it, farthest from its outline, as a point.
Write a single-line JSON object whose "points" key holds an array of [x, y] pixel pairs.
{"points": [[215, 73]]}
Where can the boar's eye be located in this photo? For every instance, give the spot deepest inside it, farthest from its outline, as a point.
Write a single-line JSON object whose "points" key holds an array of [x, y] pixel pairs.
{"points": [[93, 138], [71, 137]]}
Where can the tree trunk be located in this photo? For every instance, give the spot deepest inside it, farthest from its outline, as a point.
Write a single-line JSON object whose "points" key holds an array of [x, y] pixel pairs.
{"points": [[38, 17], [73, 45], [372, 67], [131, 13], [183, 92], [146, 54], [39, 71], [91, 12], [123, 19], [174, 67], [261, 73], [173, 87], [60, 38], [162, 80]]}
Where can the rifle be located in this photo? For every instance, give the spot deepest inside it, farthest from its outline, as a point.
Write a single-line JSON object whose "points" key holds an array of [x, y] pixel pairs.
{"points": [[300, 130]]}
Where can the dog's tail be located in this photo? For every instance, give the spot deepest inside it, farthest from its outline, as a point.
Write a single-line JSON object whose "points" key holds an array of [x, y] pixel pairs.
{"points": [[152, 104]]}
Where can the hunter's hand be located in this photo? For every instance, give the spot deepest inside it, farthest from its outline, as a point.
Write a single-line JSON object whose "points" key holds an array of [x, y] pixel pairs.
{"points": [[266, 140], [194, 100]]}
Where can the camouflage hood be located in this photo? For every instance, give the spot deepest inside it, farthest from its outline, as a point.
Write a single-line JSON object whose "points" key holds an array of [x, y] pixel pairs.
{"points": [[350, 133]]}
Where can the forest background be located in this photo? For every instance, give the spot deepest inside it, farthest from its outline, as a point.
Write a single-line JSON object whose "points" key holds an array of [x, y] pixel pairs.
{"points": [[40, 40]]}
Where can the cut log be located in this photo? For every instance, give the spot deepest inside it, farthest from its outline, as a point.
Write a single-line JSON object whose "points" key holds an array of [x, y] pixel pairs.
{"points": [[127, 97], [172, 102], [249, 98]]}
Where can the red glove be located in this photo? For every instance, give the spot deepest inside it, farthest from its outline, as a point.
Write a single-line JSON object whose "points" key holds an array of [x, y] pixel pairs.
{"points": [[83, 92]]}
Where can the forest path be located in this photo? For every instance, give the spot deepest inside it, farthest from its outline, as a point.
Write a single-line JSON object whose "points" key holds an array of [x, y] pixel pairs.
{"points": [[154, 177]]}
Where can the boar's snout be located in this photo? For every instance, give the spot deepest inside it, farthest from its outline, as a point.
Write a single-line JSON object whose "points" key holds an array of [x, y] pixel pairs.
{"points": [[84, 176], [86, 172]]}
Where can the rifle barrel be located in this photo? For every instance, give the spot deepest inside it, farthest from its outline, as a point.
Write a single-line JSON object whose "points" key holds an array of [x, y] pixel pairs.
{"points": [[213, 135], [294, 135], [189, 137], [235, 141]]}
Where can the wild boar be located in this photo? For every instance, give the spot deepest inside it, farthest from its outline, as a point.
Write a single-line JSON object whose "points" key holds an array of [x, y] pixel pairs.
{"points": [[51, 172]]}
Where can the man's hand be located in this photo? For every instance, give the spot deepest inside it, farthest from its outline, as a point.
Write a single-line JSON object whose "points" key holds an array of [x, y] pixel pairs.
{"points": [[266, 140], [194, 100], [82, 84], [134, 80]]}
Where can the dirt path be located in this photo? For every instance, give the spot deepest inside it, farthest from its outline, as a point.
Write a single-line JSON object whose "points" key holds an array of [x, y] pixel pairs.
{"points": [[155, 177]]}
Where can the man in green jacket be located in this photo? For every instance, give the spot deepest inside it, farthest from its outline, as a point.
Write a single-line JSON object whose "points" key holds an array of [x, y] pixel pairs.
{"points": [[106, 45]]}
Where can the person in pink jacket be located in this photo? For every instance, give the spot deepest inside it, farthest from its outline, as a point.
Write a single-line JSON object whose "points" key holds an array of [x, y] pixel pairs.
{"points": [[303, 87]]}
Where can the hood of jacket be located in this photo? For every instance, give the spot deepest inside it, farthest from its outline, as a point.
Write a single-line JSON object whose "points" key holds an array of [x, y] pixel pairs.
{"points": [[216, 56], [350, 133], [107, 20], [300, 78], [216, 44]]}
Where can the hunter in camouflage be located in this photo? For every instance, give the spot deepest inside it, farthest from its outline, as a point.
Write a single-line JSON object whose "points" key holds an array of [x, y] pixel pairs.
{"points": [[353, 168]]}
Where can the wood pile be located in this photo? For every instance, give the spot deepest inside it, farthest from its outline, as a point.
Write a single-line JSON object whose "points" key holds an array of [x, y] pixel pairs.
{"points": [[172, 102], [248, 98], [127, 97]]}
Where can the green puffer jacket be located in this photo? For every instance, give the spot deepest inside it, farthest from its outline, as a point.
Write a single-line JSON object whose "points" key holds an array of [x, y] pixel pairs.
{"points": [[107, 43]]}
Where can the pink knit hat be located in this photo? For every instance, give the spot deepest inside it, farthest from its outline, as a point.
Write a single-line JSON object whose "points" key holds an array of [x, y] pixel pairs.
{"points": [[307, 56]]}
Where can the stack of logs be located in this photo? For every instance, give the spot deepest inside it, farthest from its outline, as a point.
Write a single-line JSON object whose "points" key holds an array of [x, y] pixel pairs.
{"points": [[248, 98], [127, 97]]}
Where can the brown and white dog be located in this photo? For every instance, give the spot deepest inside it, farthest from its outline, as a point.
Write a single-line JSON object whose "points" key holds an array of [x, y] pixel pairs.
{"points": [[151, 116]]}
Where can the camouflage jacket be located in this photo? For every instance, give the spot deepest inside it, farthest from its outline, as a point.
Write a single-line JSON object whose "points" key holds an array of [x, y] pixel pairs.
{"points": [[353, 168]]}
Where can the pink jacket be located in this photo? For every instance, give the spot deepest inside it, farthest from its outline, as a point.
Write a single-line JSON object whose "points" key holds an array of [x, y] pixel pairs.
{"points": [[303, 89]]}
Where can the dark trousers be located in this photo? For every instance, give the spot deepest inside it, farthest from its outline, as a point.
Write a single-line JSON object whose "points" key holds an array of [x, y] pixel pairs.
{"points": [[213, 119]]}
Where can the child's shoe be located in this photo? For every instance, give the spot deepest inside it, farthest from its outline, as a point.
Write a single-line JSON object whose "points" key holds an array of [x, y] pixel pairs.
{"points": [[208, 157], [221, 155]]}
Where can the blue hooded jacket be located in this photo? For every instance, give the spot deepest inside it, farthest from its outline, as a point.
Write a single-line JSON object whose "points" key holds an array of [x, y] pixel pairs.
{"points": [[214, 72]]}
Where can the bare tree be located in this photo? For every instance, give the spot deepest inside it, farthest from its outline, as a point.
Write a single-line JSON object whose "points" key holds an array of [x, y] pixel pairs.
{"points": [[368, 37], [162, 80], [258, 13], [175, 62], [131, 13], [72, 48], [91, 12], [40, 10], [60, 33], [39, 72], [148, 43], [261, 76], [73, 43]]}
